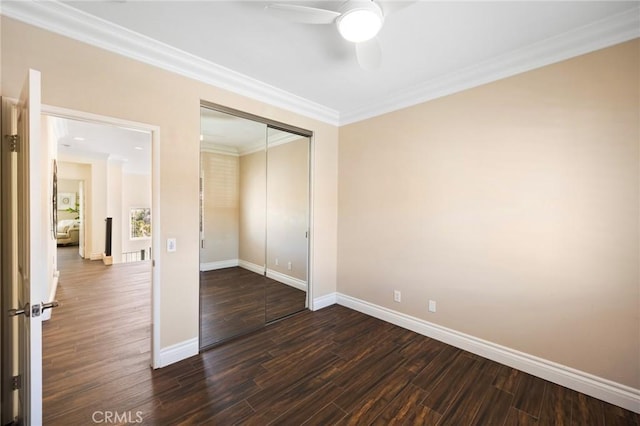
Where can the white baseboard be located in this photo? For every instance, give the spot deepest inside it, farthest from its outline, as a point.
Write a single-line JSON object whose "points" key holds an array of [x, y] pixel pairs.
{"points": [[598, 387], [212, 266], [178, 352], [258, 269], [287, 279], [95, 256], [324, 301]]}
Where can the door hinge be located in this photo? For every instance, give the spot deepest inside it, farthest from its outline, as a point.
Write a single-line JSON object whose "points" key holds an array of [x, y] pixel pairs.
{"points": [[16, 382], [14, 142]]}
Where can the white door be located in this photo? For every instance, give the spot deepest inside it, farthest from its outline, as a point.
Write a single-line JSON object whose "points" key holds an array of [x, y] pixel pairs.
{"points": [[31, 225]]}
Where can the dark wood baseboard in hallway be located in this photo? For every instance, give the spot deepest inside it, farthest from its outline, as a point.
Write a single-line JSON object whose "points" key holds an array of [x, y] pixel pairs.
{"points": [[333, 366]]}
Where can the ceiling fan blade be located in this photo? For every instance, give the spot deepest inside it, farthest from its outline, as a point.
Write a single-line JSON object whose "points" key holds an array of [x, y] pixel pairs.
{"points": [[303, 14], [369, 54]]}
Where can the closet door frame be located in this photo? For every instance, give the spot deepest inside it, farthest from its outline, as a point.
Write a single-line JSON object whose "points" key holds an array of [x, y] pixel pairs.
{"points": [[271, 123], [298, 131]]}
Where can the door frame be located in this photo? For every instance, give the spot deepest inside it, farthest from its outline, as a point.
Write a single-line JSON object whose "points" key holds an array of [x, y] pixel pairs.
{"points": [[155, 206]]}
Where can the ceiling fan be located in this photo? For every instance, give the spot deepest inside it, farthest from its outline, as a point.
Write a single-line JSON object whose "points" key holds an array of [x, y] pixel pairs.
{"points": [[358, 21]]}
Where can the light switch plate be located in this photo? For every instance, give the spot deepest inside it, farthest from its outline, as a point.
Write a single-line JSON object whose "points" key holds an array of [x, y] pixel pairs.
{"points": [[171, 244]]}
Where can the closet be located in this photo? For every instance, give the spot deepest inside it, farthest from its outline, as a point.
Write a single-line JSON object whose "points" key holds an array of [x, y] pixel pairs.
{"points": [[254, 222]]}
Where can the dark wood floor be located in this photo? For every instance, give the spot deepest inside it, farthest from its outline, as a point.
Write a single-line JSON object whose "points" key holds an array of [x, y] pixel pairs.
{"points": [[333, 366], [234, 301]]}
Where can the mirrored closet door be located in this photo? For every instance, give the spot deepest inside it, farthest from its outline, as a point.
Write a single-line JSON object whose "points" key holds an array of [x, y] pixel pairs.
{"points": [[287, 223], [254, 223]]}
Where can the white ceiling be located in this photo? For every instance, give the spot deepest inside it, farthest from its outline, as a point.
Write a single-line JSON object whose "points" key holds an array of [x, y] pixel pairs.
{"points": [[224, 132], [80, 141], [429, 48], [228, 134]]}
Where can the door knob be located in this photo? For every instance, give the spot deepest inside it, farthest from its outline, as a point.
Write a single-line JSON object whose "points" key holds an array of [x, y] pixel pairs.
{"points": [[24, 311], [35, 310], [50, 305]]}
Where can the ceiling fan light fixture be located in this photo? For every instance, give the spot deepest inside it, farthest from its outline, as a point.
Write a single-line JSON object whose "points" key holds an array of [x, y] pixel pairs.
{"points": [[361, 23]]}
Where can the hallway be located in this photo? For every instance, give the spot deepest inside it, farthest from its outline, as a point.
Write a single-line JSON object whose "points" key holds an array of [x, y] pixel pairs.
{"points": [[98, 340]]}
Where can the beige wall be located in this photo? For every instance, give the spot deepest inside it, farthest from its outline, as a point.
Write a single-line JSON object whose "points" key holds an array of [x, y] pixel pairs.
{"points": [[252, 208], [287, 207], [85, 78], [96, 191], [220, 175], [514, 205]]}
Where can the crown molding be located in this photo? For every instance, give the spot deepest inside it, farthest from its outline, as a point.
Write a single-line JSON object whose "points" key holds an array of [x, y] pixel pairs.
{"points": [[607, 32], [70, 22], [282, 138], [275, 140], [213, 148], [65, 20]]}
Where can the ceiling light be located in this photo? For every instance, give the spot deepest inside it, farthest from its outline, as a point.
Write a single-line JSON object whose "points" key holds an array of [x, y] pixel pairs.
{"points": [[360, 22], [139, 148], [78, 138]]}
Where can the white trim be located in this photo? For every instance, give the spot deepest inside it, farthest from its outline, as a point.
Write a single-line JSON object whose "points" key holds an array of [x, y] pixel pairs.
{"points": [[251, 266], [68, 21], [311, 241], [156, 243], [221, 264], [155, 210], [178, 352], [96, 256], [283, 138], [597, 35], [62, 19], [606, 390], [260, 146], [324, 301], [213, 148], [287, 279]]}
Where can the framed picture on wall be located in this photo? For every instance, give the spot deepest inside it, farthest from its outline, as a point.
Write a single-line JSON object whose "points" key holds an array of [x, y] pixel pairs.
{"points": [[139, 223], [66, 200]]}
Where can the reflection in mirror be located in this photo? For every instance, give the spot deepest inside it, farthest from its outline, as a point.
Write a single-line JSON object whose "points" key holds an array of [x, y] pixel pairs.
{"points": [[254, 222], [287, 223], [232, 226]]}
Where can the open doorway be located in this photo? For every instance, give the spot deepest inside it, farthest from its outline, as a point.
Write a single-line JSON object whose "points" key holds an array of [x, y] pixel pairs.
{"points": [[106, 327], [104, 171]]}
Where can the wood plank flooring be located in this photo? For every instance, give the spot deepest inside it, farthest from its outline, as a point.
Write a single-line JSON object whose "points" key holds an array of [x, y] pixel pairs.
{"points": [[330, 367], [234, 301]]}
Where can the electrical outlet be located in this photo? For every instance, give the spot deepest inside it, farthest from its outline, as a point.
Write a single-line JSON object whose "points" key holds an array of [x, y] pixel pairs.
{"points": [[289, 266], [397, 296], [432, 305], [277, 263]]}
